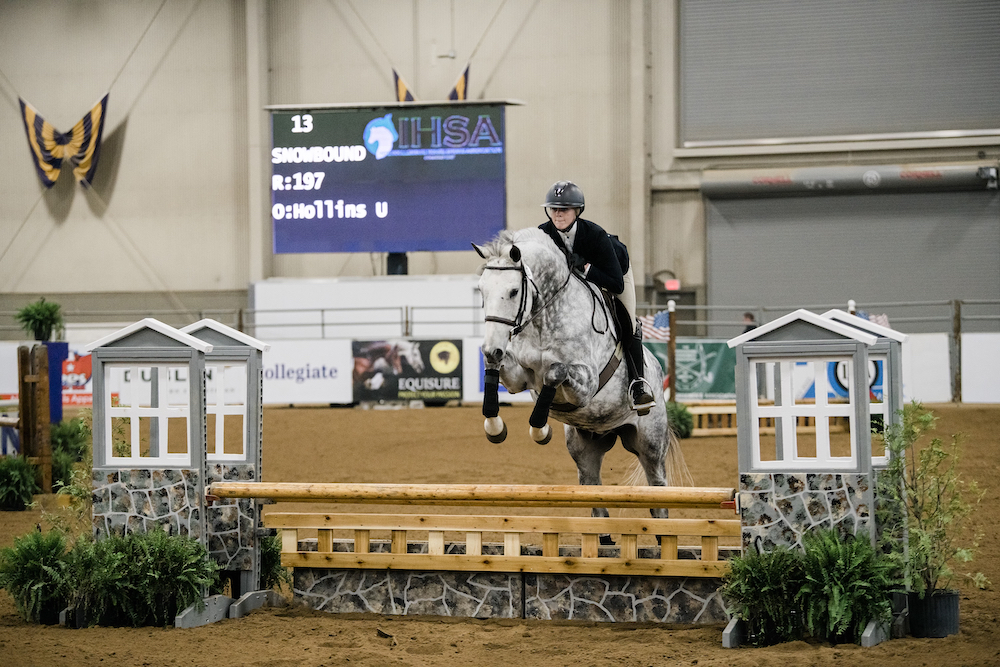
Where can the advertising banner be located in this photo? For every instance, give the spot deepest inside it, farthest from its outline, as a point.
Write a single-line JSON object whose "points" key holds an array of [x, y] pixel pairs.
{"points": [[706, 368], [402, 370], [308, 372], [387, 179]]}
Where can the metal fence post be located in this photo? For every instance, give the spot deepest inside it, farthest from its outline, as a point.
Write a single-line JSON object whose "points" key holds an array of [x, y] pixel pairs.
{"points": [[671, 349], [955, 351]]}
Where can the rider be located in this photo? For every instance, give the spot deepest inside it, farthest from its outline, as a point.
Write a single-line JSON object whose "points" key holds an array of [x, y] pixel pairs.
{"points": [[603, 260]]}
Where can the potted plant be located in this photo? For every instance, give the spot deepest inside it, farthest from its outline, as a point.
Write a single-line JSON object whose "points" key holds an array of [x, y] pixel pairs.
{"points": [[925, 481], [40, 318]]}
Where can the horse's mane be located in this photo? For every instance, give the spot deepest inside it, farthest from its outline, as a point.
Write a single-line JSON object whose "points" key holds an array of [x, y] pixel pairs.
{"points": [[527, 240]]}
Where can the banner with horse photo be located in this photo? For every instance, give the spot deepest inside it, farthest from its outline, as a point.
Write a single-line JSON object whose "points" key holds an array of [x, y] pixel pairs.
{"points": [[407, 370]]}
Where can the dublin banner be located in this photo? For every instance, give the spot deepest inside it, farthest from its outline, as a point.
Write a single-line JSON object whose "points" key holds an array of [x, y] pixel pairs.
{"points": [[401, 370]]}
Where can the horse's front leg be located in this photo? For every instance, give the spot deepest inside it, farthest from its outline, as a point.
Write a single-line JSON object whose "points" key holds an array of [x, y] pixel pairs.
{"points": [[515, 379], [576, 383]]}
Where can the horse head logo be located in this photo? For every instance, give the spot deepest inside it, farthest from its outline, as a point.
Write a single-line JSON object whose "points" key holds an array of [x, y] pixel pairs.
{"points": [[379, 136]]}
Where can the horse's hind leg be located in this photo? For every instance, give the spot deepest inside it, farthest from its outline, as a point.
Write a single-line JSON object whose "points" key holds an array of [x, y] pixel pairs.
{"points": [[588, 450], [649, 444]]}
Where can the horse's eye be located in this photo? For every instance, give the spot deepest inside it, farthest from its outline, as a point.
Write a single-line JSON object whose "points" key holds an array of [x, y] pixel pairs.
{"points": [[513, 293]]}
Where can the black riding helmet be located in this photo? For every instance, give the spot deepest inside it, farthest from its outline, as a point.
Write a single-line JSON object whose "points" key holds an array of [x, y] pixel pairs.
{"points": [[564, 194]]}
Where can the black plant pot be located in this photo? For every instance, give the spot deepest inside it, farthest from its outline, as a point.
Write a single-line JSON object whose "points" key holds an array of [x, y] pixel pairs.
{"points": [[934, 616]]}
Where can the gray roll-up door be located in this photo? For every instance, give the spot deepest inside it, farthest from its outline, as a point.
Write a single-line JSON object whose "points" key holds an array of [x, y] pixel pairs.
{"points": [[878, 248], [759, 69]]}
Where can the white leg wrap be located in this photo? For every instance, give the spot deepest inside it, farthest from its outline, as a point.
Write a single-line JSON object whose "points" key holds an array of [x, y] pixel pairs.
{"points": [[541, 435], [493, 426]]}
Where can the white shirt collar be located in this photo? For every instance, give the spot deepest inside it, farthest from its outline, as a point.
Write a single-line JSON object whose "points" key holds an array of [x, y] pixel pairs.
{"points": [[569, 236]]}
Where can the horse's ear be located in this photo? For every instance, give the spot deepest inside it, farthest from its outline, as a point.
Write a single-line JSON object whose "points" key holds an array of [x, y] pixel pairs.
{"points": [[479, 250], [515, 253]]}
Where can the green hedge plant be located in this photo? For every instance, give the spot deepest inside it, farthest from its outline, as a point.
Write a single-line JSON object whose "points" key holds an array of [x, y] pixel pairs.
{"points": [[141, 578], [36, 575], [680, 419], [18, 483], [847, 584], [135, 580], [272, 573], [761, 589]]}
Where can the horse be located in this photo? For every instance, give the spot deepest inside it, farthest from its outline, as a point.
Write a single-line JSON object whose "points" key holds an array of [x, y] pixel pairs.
{"points": [[550, 331]]}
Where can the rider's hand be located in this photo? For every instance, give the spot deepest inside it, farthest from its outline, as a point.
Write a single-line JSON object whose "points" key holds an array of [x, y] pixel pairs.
{"points": [[577, 262]]}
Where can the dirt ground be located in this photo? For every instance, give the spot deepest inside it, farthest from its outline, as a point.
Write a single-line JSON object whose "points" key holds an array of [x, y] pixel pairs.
{"points": [[447, 445]]}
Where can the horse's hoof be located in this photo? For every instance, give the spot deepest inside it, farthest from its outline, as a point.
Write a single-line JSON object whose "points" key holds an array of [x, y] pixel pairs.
{"points": [[496, 430], [606, 541], [643, 413], [541, 435]]}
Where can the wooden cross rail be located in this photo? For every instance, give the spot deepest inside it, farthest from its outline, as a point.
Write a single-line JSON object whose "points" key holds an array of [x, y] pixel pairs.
{"points": [[504, 495], [512, 529]]}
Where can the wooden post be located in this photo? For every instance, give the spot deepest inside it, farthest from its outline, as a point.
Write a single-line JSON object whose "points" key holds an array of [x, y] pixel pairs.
{"points": [[25, 401], [672, 349], [43, 443]]}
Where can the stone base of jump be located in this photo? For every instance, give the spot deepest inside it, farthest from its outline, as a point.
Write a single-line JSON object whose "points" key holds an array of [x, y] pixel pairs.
{"points": [[605, 598]]}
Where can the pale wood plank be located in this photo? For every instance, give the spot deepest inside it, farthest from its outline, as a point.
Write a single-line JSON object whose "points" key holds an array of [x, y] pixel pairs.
{"points": [[324, 542], [668, 547], [489, 523], [709, 548], [473, 544], [289, 541], [588, 545], [399, 542], [512, 544], [435, 543], [629, 547], [362, 541], [550, 544], [466, 563]]}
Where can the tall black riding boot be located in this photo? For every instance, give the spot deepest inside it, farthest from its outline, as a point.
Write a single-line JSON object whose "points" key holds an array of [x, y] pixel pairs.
{"points": [[639, 392]]}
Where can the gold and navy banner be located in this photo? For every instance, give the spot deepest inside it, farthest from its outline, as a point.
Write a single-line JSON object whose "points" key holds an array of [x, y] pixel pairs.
{"points": [[403, 93], [459, 92], [81, 145]]}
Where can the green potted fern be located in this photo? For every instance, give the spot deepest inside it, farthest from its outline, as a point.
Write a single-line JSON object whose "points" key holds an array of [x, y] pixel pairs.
{"points": [[40, 319], [848, 583], [925, 480]]}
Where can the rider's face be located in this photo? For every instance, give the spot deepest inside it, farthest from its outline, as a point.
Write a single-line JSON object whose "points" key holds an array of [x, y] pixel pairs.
{"points": [[562, 218]]}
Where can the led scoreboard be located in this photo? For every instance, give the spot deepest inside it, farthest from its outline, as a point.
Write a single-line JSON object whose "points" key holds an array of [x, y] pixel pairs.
{"points": [[387, 179]]}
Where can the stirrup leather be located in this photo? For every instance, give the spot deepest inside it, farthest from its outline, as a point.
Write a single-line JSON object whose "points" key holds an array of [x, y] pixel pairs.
{"points": [[645, 400]]}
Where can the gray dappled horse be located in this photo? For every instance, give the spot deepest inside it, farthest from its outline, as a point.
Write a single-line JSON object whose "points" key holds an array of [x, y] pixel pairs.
{"points": [[551, 331]]}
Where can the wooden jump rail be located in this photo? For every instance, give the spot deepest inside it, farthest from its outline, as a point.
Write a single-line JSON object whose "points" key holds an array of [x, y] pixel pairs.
{"points": [[512, 528]]}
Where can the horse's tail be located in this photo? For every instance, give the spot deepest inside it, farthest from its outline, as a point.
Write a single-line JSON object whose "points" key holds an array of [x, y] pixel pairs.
{"points": [[675, 467]]}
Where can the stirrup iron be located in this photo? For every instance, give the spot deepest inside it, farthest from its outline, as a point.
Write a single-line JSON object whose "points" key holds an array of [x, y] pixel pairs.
{"points": [[646, 402]]}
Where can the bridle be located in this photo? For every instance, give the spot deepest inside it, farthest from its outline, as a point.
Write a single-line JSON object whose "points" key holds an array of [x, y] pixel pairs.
{"points": [[519, 323]]}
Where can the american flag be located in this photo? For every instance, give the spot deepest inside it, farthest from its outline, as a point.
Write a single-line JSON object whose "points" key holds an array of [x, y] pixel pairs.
{"points": [[656, 327]]}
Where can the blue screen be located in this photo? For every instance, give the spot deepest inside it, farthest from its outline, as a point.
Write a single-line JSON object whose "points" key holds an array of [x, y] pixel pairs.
{"points": [[389, 179]]}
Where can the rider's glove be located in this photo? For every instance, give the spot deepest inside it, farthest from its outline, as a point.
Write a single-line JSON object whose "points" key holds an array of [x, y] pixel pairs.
{"points": [[577, 262]]}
